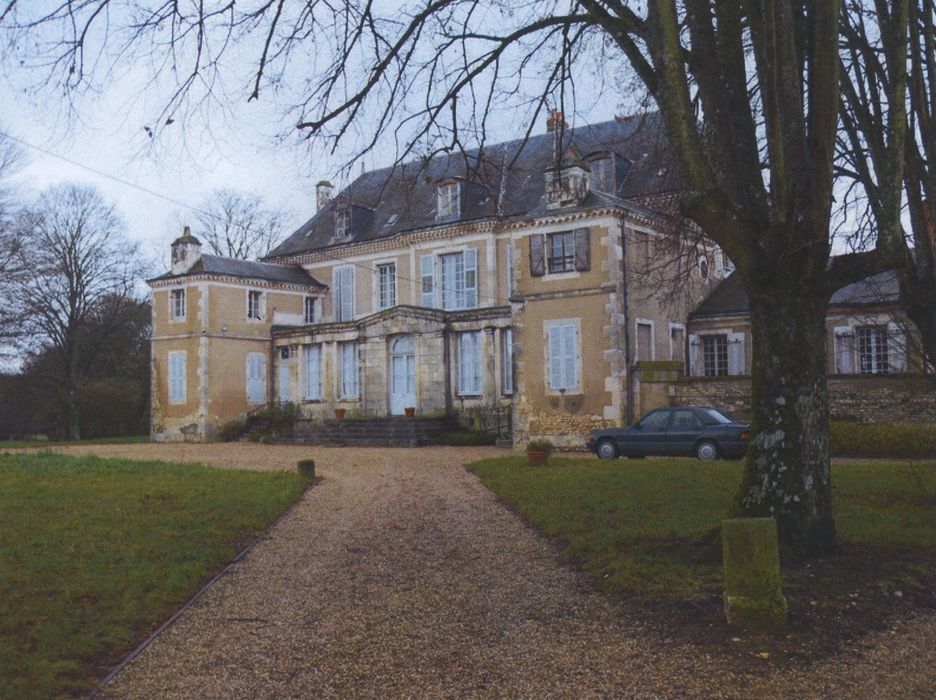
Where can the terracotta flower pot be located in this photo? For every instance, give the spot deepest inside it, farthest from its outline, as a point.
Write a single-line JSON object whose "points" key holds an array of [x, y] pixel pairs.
{"points": [[535, 458], [340, 413], [410, 411]]}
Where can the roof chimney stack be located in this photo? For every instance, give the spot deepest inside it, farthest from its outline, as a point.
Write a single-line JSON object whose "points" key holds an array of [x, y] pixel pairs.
{"points": [[186, 252], [323, 194]]}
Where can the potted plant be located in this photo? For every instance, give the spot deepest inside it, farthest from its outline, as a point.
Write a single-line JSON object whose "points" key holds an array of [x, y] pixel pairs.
{"points": [[340, 413], [409, 411], [538, 451]]}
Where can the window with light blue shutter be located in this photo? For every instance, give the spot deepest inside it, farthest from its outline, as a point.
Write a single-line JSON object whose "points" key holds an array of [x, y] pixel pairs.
{"points": [[177, 376], [313, 372], [344, 294], [564, 360], [470, 298], [427, 269]]}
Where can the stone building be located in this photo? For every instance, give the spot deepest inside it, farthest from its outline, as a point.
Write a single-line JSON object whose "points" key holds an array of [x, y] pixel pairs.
{"points": [[504, 282]]}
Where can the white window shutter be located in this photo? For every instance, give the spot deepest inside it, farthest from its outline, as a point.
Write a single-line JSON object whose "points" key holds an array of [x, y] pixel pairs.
{"points": [[427, 265], [896, 348], [844, 350], [570, 360], [471, 278], [735, 354], [313, 372], [695, 356], [347, 294], [555, 354]]}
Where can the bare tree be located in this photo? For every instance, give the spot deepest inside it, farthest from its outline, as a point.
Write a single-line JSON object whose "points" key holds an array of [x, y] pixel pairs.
{"points": [[749, 94], [10, 243], [864, 158], [78, 267], [238, 225]]}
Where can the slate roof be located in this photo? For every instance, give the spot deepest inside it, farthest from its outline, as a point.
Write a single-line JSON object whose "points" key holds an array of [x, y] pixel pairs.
{"points": [[247, 269], [511, 172], [729, 296]]}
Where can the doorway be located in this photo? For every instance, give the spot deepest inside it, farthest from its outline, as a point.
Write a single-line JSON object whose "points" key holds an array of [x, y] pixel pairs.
{"points": [[402, 374]]}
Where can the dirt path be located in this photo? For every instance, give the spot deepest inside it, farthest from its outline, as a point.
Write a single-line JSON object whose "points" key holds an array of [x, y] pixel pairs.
{"points": [[402, 576]]}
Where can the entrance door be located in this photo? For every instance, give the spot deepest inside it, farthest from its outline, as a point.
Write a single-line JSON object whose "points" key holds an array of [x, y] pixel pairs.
{"points": [[402, 374]]}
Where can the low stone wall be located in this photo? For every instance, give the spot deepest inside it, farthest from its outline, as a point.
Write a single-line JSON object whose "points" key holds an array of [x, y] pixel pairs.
{"points": [[863, 399]]}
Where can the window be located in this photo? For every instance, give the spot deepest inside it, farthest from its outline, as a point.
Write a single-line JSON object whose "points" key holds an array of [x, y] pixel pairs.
{"points": [[256, 377], [677, 342], [507, 361], [177, 304], [602, 175], [344, 293], [391, 220], [563, 356], [469, 363], [254, 305], [561, 252], [309, 308], [459, 280], [386, 286], [313, 372], [644, 340], [715, 355], [872, 349], [447, 204], [177, 376], [348, 360], [342, 222], [656, 421]]}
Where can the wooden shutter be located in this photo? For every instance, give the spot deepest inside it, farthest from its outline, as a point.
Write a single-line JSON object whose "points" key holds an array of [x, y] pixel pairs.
{"points": [[570, 358], [256, 379], [509, 277], [177, 377], [471, 278], [537, 255], [735, 353], [555, 357], [427, 268], [695, 356], [582, 252], [896, 348], [844, 350]]}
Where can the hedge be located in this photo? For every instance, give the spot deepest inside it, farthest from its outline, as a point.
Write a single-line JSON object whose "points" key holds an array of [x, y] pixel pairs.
{"points": [[882, 440]]}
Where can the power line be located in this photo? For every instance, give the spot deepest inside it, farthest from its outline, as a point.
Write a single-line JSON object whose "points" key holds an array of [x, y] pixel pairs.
{"points": [[198, 210]]}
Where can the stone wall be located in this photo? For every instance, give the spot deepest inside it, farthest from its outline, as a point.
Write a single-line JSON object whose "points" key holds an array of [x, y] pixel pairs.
{"points": [[864, 399]]}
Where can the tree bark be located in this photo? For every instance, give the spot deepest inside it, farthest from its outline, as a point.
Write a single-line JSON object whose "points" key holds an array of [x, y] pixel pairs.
{"points": [[787, 470]]}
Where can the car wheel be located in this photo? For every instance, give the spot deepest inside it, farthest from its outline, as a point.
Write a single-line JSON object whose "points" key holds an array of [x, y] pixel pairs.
{"points": [[606, 449], [706, 451]]}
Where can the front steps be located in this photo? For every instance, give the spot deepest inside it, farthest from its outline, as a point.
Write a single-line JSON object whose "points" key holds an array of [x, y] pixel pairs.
{"points": [[375, 432]]}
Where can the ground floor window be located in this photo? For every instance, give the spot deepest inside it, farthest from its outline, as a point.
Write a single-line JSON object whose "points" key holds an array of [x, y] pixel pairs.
{"points": [[469, 363], [563, 356], [715, 355], [507, 383], [873, 353], [177, 376], [349, 387], [313, 372]]}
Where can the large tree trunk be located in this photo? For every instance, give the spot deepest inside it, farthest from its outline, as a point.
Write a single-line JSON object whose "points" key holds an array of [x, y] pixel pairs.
{"points": [[787, 473], [917, 297]]}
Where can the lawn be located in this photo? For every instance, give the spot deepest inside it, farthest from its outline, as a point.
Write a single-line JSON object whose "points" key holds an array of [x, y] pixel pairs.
{"points": [[94, 554], [650, 528], [123, 440]]}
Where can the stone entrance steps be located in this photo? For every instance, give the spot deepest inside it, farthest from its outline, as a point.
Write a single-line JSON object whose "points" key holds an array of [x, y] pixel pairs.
{"points": [[375, 432]]}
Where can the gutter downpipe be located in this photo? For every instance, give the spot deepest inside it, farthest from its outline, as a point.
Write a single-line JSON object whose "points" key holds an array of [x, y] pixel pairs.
{"points": [[629, 408]]}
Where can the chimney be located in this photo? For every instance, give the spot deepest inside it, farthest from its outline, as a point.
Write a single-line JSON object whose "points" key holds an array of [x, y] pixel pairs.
{"points": [[323, 194], [186, 252]]}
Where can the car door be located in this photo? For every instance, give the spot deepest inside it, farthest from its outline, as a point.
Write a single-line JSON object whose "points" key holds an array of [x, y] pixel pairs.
{"points": [[649, 435], [685, 428]]}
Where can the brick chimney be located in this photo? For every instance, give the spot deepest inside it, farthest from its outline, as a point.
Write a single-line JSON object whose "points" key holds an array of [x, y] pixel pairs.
{"points": [[323, 194], [186, 252]]}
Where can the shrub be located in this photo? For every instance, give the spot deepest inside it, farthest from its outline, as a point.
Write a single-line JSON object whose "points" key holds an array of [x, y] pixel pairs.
{"points": [[275, 419], [467, 439], [540, 446], [232, 430], [882, 440]]}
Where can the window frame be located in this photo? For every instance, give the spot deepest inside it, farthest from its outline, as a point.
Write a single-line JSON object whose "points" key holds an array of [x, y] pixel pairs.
{"points": [[262, 379], [507, 374], [175, 296], [338, 296], [603, 180], [175, 399], [258, 294], [448, 200], [872, 349], [349, 377], [473, 384], [380, 302], [342, 222], [565, 263], [565, 383], [309, 395], [719, 354], [308, 310]]}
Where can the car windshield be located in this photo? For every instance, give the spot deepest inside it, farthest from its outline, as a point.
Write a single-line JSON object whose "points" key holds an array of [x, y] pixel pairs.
{"points": [[718, 416]]}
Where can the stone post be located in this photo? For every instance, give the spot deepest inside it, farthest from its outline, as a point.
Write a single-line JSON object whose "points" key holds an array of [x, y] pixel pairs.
{"points": [[753, 595]]}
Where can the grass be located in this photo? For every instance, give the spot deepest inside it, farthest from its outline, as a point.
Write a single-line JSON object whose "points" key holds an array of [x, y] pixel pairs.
{"points": [[95, 553], [124, 440], [650, 528]]}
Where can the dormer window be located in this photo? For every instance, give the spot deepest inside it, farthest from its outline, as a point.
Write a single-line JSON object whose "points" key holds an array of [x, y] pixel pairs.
{"points": [[602, 175], [342, 222], [447, 201]]}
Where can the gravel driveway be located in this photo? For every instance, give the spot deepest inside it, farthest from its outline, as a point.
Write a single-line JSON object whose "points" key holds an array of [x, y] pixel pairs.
{"points": [[400, 575]]}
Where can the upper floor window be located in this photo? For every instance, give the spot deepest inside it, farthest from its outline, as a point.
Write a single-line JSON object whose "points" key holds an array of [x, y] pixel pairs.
{"points": [[309, 309], [386, 286], [447, 201], [872, 349], [177, 304], [254, 305], [602, 175], [561, 254], [342, 222], [450, 281]]}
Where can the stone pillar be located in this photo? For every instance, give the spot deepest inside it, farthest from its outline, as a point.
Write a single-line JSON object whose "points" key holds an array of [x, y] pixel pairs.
{"points": [[753, 595]]}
